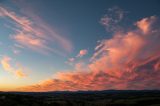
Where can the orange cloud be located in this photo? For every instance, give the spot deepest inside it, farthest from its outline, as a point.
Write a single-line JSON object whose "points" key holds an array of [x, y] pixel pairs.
{"points": [[157, 66], [20, 73], [129, 60], [36, 34], [5, 62]]}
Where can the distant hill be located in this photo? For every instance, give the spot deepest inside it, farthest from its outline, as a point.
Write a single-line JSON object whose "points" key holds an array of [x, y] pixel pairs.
{"points": [[84, 92]]}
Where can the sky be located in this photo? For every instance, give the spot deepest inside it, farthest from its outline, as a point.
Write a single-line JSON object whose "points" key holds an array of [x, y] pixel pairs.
{"points": [[59, 45]]}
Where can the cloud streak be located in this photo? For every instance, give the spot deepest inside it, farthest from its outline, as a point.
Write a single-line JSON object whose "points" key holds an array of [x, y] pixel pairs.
{"points": [[32, 32], [129, 60], [18, 71]]}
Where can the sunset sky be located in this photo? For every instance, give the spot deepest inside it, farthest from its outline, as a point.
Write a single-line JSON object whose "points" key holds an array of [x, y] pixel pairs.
{"points": [[52, 45]]}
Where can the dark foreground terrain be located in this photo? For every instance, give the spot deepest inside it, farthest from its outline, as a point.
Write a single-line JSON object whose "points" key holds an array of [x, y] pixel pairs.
{"points": [[87, 98]]}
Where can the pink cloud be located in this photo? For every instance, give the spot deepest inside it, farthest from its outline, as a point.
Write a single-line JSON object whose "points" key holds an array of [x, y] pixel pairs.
{"points": [[129, 60], [32, 42], [37, 33], [82, 53], [157, 66], [145, 24], [71, 59]]}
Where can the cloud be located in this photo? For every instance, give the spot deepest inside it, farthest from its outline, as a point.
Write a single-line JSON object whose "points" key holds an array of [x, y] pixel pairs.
{"points": [[70, 61], [32, 32], [19, 73], [5, 62], [113, 18], [157, 66], [82, 53], [73, 60], [146, 23], [129, 60], [32, 42]]}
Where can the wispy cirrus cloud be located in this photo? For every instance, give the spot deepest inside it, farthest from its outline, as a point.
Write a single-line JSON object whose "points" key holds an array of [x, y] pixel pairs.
{"points": [[129, 60], [17, 71], [32, 32]]}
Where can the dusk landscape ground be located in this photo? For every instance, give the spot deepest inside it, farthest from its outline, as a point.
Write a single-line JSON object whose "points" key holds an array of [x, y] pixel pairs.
{"points": [[82, 98]]}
